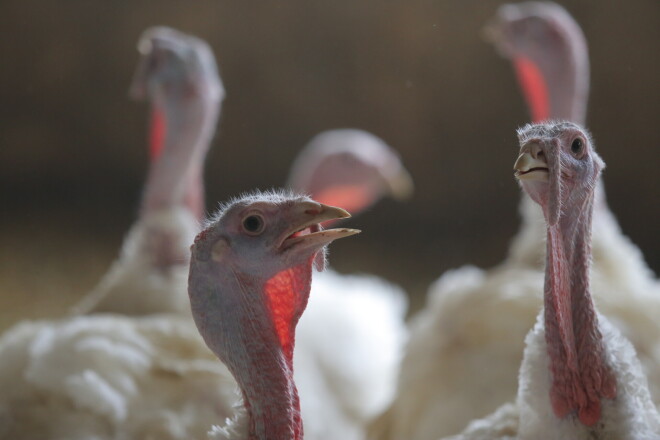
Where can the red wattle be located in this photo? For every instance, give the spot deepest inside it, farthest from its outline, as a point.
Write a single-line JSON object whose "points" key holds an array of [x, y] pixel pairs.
{"points": [[156, 134], [561, 300], [287, 294], [352, 198], [534, 88]]}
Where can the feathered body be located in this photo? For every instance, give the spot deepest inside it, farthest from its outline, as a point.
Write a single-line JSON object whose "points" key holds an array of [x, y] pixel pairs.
{"points": [[178, 74], [111, 377], [631, 416], [152, 269], [349, 347], [466, 345], [580, 377], [351, 336]]}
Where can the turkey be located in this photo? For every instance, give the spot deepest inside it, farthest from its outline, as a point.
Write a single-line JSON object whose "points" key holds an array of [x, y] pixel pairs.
{"points": [[580, 377], [115, 376], [350, 167], [178, 74], [351, 337], [152, 375], [466, 345], [250, 279], [108, 376]]}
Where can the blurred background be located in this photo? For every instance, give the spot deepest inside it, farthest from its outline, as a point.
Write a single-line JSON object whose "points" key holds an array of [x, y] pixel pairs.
{"points": [[416, 73]]}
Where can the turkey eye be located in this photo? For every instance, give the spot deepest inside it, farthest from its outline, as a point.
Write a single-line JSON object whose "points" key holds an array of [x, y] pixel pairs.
{"points": [[253, 224], [576, 146]]}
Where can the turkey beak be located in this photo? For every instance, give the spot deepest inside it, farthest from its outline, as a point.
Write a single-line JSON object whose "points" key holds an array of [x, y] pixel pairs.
{"points": [[304, 232], [400, 184], [531, 164], [492, 31], [138, 87]]}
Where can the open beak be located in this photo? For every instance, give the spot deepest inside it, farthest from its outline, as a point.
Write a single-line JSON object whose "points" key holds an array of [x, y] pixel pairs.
{"points": [[531, 164], [305, 232]]}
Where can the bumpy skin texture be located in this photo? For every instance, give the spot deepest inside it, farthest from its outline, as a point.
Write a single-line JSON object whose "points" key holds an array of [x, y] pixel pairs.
{"points": [[250, 278], [466, 345], [177, 73], [580, 378]]}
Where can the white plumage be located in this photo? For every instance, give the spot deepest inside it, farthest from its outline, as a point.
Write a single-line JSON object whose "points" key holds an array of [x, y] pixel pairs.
{"points": [[466, 345], [149, 375], [178, 74], [348, 350], [575, 382], [351, 337], [110, 377], [134, 284], [631, 416], [119, 377]]}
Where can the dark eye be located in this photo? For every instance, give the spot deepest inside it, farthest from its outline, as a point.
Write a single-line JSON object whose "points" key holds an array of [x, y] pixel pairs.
{"points": [[576, 146], [253, 224]]}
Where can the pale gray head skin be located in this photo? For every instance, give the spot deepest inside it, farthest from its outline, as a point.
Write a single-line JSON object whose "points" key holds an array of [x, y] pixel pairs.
{"points": [[544, 36], [177, 73], [559, 168], [350, 168], [176, 64], [554, 155], [550, 57], [249, 282]]}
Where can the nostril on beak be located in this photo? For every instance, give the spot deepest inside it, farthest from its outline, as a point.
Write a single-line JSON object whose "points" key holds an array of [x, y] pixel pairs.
{"points": [[312, 212], [536, 151]]}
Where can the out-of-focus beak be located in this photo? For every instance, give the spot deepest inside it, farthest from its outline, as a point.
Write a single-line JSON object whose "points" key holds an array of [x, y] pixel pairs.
{"points": [[138, 87], [305, 231], [491, 32], [400, 184], [531, 164], [148, 46]]}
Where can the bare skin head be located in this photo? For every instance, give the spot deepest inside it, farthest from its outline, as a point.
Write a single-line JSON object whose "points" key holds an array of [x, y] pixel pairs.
{"points": [[177, 73], [549, 53], [559, 168], [250, 278], [350, 168]]}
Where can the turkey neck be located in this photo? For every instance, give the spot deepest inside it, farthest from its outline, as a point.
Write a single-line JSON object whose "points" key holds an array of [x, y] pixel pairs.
{"points": [[580, 374], [185, 126], [564, 73], [240, 325]]}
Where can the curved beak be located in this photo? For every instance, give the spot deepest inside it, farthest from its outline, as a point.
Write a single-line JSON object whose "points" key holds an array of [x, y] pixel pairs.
{"points": [[531, 164], [304, 235], [138, 87], [305, 232], [400, 185], [148, 46]]}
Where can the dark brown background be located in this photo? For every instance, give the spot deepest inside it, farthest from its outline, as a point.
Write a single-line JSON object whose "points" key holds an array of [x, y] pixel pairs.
{"points": [[417, 73]]}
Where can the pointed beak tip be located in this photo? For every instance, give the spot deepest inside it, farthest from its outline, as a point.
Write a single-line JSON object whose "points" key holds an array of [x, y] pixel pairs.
{"points": [[343, 213], [335, 211], [337, 233]]}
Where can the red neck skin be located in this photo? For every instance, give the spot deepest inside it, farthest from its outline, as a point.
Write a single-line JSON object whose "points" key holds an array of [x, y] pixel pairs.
{"points": [[250, 326], [580, 375], [180, 136], [555, 90]]}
